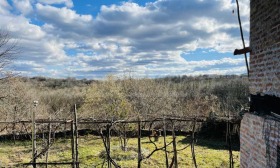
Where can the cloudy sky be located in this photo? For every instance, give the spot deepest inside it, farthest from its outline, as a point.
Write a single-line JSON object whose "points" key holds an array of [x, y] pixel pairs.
{"points": [[148, 38]]}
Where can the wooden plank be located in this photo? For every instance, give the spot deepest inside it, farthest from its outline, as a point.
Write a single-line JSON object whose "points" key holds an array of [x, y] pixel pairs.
{"points": [[76, 135], [73, 146], [242, 51], [50, 163]]}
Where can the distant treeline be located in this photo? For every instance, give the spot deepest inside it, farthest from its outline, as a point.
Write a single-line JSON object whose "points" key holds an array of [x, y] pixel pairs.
{"points": [[123, 97], [57, 83], [71, 82]]}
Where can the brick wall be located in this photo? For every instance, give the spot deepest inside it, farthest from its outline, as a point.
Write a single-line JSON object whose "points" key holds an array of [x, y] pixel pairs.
{"points": [[265, 45], [260, 135], [259, 139]]}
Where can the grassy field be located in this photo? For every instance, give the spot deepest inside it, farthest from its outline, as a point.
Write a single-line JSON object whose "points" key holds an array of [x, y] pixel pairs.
{"points": [[209, 153]]}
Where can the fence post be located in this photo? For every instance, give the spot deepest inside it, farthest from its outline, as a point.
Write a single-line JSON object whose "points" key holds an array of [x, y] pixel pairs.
{"points": [[49, 141], [174, 145], [139, 144], [192, 144], [165, 145], [73, 145], [34, 153], [76, 136], [108, 144], [14, 125], [231, 163]]}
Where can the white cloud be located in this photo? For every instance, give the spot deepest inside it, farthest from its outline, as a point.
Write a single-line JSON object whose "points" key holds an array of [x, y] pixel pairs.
{"points": [[146, 39], [4, 7], [37, 49], [211, 25], [64, 21], [20, 28], [63, 15], [217, 71], [56, 54], [23, 6], [68, 3]]}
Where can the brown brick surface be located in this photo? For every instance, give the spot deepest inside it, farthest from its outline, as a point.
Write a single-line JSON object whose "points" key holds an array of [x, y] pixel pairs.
{"points": [[259, 137], [265, 45]]}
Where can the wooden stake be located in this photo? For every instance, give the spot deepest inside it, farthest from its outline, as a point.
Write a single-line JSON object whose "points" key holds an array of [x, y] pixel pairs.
{"points": [[174, 146], [76, 136], [108, 145], [139, 144], [14, 125], [73, 145], [34, 137], [164, 140], [192, 144], [49, 141]]}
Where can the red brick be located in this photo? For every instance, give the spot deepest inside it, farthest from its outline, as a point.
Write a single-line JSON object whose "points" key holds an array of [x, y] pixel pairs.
{"points": [[264, 42], [253, 149]]}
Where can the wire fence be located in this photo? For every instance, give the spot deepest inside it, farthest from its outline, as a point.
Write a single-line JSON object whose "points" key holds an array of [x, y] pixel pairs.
{"points": [[44, 135]]}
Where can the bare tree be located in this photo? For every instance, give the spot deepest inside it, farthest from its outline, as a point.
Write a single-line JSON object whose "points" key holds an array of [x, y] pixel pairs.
{"points": [[7, 50]]}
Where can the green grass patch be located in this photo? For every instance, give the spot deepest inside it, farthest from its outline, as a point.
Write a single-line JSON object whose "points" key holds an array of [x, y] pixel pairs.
{"points": [[209, 153]]}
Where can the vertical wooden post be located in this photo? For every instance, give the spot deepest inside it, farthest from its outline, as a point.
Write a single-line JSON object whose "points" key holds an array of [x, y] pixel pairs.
{"points": [[73, 145], [231, 163], [76, 136], [108, 144], [125, 138], [139, 144], [49, 141], [34, 153], [14, 125], [65, 130], [174, 145], [165, 145], [192, 144], [14, 132]]}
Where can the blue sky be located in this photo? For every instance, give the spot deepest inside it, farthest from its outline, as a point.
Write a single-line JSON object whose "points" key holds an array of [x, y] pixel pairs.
{"points": [[143, 38]]}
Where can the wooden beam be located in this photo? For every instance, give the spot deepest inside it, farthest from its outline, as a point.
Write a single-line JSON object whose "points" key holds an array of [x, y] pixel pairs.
{"points": [[50, 163], [242, 51]]}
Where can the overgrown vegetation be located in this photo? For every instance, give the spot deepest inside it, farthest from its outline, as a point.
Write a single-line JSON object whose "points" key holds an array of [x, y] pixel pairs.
{"points": [[124, 98]]}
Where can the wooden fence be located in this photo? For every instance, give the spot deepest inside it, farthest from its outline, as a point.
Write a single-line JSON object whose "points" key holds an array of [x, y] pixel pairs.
{"points": [[106, 128]]}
